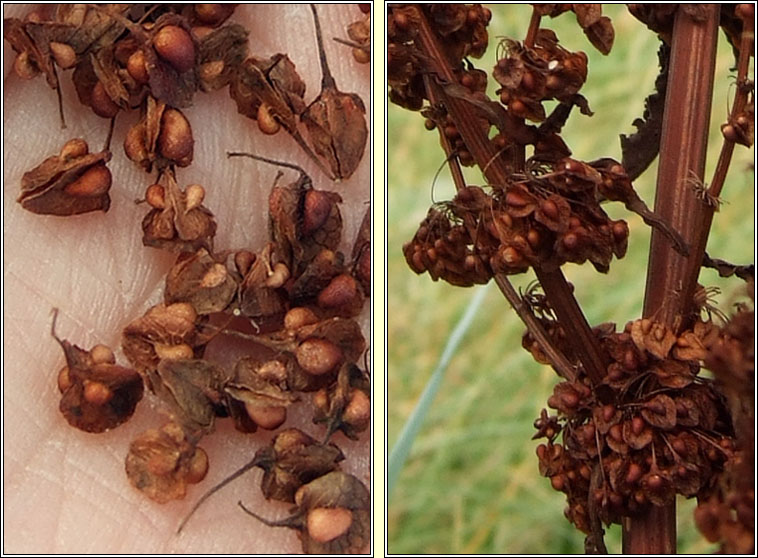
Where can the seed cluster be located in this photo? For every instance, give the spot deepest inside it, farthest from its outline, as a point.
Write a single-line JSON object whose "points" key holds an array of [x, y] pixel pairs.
{"points": [[294, 300], [652, 429]]}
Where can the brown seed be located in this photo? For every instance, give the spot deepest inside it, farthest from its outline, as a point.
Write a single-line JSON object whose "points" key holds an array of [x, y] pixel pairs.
{"points": [[134, 144], [97, 393], [74, 148], [616, 432], [299, 317], [729, 133], [64, 379], [558, 482], [549, 208], [267, 123], [63, 55], [467, 80], [136, 67], [505, 96], [340, 292], [278, 277], [155, 196], [214, 277], [268, 418], [211, 14], [174, 44], [243, 261], [638, 425], [102, 104], [95, 181], [511, 256], [318, 207], [318, 356], [518, 108], [401, 20], [198, 467], [358, 409], [553, 82], [194, 195], [210, 70], [362, 56], [451, 132], [101, 354], [326, 524], [527, 81], [515, 199], [173, 352], [620, 231], [175, 140], [655, 482], [321, 401], [570, 241], [23, 67], [273, 371]]}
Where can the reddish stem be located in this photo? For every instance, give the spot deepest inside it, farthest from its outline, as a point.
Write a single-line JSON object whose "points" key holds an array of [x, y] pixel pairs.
{"points": [[671, 277]]}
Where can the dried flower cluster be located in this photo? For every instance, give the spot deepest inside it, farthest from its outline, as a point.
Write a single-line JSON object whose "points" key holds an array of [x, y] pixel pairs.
{"points": [[298, 293], [638, 422]]}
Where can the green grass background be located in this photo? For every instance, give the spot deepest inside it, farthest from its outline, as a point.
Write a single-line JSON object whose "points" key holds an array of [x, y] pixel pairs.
{"points": [[471, 484]]}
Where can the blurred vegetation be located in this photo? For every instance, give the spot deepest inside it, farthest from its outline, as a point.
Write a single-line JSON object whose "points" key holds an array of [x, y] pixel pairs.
{"points": [[471, 483]]}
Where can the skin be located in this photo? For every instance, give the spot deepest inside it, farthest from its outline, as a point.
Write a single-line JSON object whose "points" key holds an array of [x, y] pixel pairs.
{"points": [[65, 490]]}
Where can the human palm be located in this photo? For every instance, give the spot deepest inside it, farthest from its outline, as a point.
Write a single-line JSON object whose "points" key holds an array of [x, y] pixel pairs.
{"points": [[66, 490]]}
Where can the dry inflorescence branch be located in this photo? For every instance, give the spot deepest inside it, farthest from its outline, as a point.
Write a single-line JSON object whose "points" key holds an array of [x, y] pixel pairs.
{"points": [[637, 422], [298, 292]]}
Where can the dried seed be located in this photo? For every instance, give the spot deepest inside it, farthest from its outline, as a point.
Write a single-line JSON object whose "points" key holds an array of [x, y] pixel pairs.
{"points": [[318, 356], [175, 141], [174, 44], [325, 524], [101, 103], [63, 55], [267, 122]]}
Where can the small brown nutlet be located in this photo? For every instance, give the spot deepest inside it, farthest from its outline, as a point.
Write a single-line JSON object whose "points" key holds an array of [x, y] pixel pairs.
{"points": [[515, 199], [175, 140], [511, 256], [102, 104], [528, 82], [64, 379], [299, 317], [430, 124], [95, 181], [74, 148], [401, 20], [553, 82], [326, 524], [63, 55], [654, 482], [570, 241], [194, 195], [361, 56], [267, 123], [451, 132], [558, 482], [214, 277], [211, 14], [518, 108], [278, 276], [318, 206], [549, 208], [97, 393], [243, 261], [175, 46], [318, 356], [467, 80], [155, 196], [633, 474], [340, 291], [729, 133], [137, 68], [101, 354], [210, 70], [134, 144], [23, 67], [358, 410], [173, 352], [616, 432], [198, 467], [268, 418]]}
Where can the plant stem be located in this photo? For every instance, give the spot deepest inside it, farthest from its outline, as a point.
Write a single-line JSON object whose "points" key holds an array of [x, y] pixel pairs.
{"points": [[671, 277]]}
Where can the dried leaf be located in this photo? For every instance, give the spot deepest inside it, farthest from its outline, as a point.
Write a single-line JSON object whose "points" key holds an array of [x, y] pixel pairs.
{"points": [[639, 149], [601, 34]]}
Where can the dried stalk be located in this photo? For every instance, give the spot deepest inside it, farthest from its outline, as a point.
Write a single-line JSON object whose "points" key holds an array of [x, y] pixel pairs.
{"points": [[671, 277]]}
